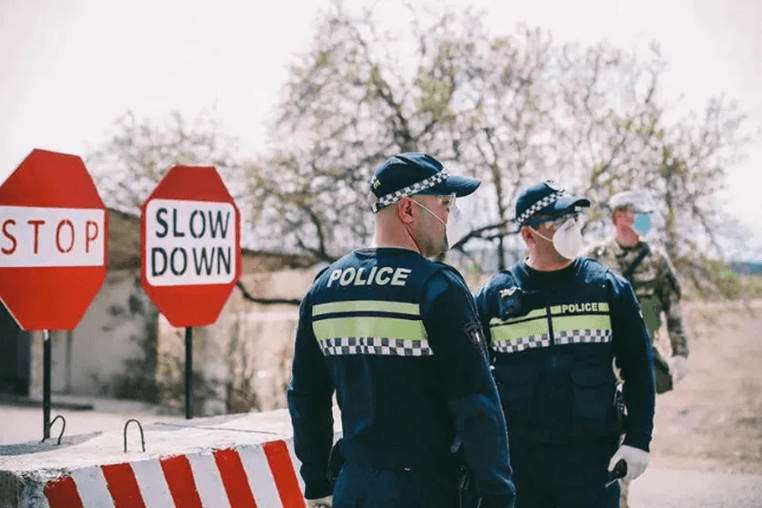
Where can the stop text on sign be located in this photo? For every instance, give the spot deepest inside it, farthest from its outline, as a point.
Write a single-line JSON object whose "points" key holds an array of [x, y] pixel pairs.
{"points": [[35, 237], [189, 242]]}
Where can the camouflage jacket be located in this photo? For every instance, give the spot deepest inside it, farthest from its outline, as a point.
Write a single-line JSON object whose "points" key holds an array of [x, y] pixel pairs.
{"points": [[655, 285]]}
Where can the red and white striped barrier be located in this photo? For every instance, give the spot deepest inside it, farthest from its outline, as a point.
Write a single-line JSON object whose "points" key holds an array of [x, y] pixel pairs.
{"points": [[253, 476]]}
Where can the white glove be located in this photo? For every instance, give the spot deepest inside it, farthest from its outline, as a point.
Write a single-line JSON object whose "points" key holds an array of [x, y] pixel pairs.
{"points": [[636, 459], [678, 366], [323, 502]]}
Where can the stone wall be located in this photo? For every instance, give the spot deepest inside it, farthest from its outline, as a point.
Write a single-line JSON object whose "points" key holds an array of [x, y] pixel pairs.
{"points": [[242, 362], [112, 351]]}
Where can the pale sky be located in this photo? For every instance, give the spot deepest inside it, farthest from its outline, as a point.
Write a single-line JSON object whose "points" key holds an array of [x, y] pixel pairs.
{"points": [[68, 68]]}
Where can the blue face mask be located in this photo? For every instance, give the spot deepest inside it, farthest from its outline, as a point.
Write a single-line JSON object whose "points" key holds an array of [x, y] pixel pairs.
{"points": [[642, 223]]}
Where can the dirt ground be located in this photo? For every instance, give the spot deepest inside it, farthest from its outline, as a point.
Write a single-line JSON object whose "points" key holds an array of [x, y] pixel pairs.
{"points": [[712, 420]]}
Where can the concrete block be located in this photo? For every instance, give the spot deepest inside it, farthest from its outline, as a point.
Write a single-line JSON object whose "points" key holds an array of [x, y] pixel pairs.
{"points": [[220, 462]]}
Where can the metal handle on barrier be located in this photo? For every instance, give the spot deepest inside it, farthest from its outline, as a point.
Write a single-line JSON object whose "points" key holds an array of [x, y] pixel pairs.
{"points": [[63, 427], [142, 437]]}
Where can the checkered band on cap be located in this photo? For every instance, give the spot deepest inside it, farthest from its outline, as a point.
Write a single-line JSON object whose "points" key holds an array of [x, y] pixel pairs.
{"points": [[547, 200], [407, 191]]}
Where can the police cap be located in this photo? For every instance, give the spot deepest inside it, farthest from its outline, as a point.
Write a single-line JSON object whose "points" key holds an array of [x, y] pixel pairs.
{"points": [[412, 173], [545, 198]]}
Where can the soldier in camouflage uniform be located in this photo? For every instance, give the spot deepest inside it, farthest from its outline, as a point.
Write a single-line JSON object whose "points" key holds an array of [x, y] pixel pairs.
{"points": [[653, 278]]}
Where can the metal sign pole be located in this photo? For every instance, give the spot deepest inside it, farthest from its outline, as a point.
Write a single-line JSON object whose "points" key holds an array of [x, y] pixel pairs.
{"points": [[45, 384], [188, 372]]}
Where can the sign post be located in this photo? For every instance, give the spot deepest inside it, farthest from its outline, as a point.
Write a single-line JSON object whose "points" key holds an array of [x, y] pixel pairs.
{"points": [[53, 253], [46, 375], [188, 372], [190, 249]]}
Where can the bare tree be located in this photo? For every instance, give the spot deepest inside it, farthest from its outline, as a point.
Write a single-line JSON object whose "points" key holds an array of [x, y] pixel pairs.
{"points": [[140, 151], [509, 108]]}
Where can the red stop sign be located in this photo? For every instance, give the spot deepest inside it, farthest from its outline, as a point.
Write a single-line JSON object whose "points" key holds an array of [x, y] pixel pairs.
{"points": [[53, 234], [190, 245]]}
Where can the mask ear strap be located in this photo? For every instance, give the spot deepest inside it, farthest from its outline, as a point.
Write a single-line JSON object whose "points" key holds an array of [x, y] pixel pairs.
{"points": [[432, 213], [541, 235]]}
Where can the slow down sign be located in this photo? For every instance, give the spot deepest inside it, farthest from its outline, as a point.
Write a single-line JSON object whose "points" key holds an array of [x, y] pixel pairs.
{"points": [[190, 242], [190, 245]]}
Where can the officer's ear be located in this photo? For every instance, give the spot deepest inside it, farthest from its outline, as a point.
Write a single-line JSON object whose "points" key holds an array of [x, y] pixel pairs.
{"points": [[527, 234], [405, 210]]}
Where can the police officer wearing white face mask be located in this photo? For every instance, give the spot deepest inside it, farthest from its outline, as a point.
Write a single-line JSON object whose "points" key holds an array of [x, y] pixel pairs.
{"points": [[554, 324], [396, 337]]}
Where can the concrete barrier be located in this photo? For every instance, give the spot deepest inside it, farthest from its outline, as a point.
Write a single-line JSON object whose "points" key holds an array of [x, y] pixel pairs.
{"points": [[249, 476], [240, 462]]}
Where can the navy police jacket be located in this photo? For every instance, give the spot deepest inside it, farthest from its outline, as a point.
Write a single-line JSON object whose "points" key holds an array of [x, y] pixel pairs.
{"points": [[552, 338], [397, 338]]}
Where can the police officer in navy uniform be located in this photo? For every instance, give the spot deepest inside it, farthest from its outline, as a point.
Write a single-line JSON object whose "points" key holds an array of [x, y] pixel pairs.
{"points": [[396, 337], [554, 324]]}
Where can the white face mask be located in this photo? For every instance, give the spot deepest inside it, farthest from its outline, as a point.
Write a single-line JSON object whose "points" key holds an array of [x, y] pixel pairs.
{"points": [[456, 227], [568, 238]]}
